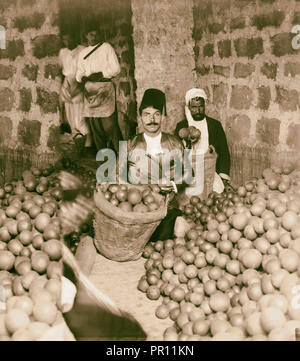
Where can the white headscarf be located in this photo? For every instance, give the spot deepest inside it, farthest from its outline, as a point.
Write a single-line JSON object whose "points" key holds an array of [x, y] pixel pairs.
{"points": [[191, 94]]}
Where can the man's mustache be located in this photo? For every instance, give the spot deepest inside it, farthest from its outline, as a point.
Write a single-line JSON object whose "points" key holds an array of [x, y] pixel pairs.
{"points": [[152, 124]]}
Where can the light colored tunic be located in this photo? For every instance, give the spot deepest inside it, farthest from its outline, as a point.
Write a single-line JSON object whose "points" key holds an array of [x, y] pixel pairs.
{"points": [[70, 92], [99, 97]]}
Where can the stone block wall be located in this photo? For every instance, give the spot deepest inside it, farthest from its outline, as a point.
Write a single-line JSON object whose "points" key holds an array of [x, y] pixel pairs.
{"points": [[29, 70], [28, 87], [164, 52], [245, 60]]}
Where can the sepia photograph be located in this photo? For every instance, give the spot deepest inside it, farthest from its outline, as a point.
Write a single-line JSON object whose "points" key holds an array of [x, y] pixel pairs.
{"points": [[150, 173]]}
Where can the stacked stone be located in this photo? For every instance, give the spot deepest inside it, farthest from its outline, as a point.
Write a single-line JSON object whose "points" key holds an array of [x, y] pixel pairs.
{"points": [[164, 55], [28, 74], [119, 35], [245, 60], [29, 71]]}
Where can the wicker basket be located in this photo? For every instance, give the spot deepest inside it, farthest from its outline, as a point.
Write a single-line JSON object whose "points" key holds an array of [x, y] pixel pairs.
{"points": [[122, 236]]}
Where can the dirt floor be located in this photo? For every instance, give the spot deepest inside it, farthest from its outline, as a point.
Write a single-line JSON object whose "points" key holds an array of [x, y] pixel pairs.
{"points": [[119, 281]]}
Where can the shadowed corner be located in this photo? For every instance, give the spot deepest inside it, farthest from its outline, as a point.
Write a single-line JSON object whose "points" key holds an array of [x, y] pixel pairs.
{"points": [[89, 322]]}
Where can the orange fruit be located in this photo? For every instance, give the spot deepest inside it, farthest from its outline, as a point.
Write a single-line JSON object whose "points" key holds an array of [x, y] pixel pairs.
{"points": [[266, 284], [134, 196], [218, 326], [212, 224], [278, 276], [15, 320], [53, 286], [289, 260], [7, 260], [225, 246], [210, 287], [289, 220], [279, 301], [12, 227], [272, 318], [25, 237], [27, 278], [253, 324], [39, 261], [212, 236], [191, 271], [233, 267], [24, 303], [53, 248], [162, 312], [295, 233], [221, 260], [223, 284], [262, 245], [254, 292], [200, 261], [42, 220], [219, 302], [196, 298], [239, 221], [215, 273], [270, 223], [188, 257], [272, 266], [45, 312], [192, 234], [285, 239], [177, 294], [55, 270], [272, 235], [201, 327], [234, 235], [252, 258]]}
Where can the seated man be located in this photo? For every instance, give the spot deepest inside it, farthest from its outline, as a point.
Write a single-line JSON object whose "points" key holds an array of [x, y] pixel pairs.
{"points": [[154, 144], [212, 133]]}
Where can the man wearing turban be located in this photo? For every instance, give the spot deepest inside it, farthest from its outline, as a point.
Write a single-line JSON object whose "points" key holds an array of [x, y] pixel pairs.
{"points": [[212, 133]]}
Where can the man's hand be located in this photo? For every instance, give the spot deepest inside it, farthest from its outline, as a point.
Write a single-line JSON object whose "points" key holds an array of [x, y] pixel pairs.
{"points": [[166, 188], [227, 184]]}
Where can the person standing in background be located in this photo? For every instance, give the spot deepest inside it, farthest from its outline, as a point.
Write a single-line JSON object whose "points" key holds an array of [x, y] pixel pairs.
{"points": [[97, 65], [71, 95], [212, 133]]}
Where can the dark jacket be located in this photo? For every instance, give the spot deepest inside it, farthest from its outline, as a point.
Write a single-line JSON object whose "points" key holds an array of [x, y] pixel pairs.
{"points": [[217, 139]]}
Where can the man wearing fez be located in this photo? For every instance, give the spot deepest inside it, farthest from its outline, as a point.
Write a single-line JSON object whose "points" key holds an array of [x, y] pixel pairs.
{"points": [[97, 65], [212, 133], [155, 144]]}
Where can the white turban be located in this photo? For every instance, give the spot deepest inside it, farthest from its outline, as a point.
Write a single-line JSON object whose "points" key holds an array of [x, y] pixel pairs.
{"points": [[194, 93], [190, 94]]}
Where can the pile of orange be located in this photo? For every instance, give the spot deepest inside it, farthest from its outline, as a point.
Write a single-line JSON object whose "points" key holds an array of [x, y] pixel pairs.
{"points": [[30, 256], [235, 278], [139, 199]]}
